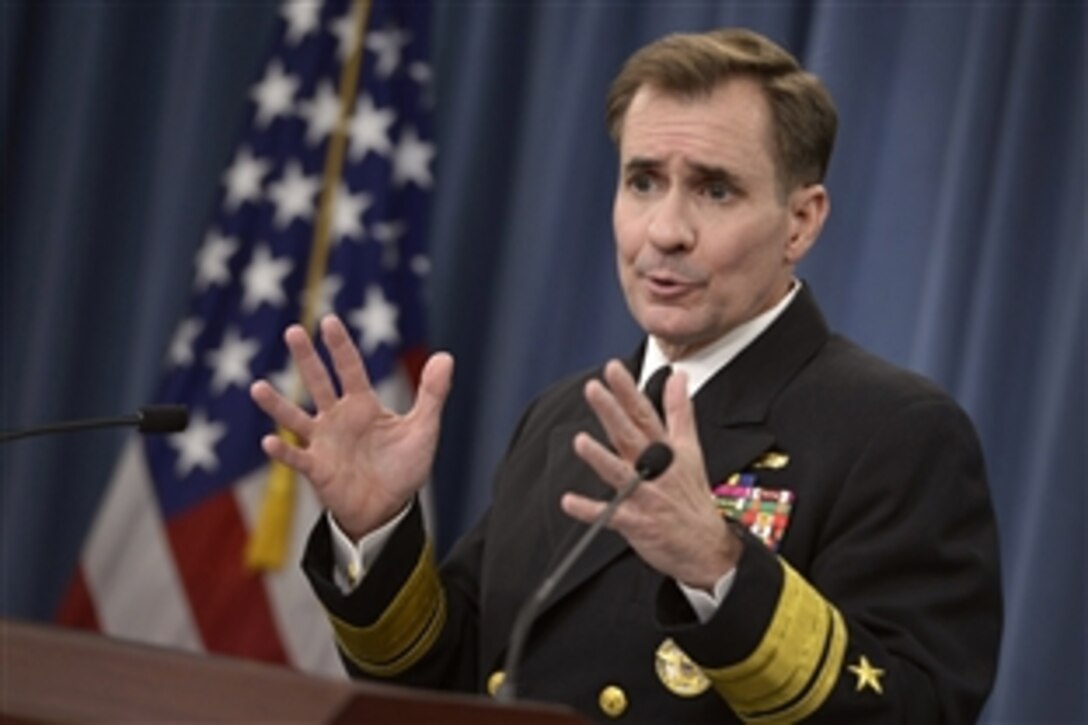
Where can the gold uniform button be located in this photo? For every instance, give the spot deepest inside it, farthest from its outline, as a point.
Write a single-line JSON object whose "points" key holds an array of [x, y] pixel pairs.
{"points": [[613, 701], [495, 682]]}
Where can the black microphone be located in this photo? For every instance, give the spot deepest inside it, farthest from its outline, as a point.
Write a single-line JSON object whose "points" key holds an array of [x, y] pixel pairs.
{"points": [[650, 464], [149, 419]]}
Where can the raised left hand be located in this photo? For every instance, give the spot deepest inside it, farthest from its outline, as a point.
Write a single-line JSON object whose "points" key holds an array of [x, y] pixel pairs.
{"points": [[672, 521]]}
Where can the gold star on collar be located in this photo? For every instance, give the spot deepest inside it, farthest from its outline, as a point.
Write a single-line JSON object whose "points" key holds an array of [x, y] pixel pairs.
{"points": [[868, 676]]}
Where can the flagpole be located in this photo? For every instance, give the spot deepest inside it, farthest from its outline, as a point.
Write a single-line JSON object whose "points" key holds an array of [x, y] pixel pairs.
{"points": [[267, 546]]}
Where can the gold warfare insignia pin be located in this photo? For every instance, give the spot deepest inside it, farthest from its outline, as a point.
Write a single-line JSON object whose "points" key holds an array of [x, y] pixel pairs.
{"points": [[677, 672], [773, 460]]}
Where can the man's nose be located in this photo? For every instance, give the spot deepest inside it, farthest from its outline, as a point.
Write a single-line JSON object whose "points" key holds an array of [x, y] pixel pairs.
{"points": [[671, 226]]}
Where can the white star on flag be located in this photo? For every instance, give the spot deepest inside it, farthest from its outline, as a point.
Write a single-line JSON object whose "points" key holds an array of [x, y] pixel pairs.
{"points": [[420, 265], [347, 37], [231, 360], [274, 95], [196, 444], [302, 18], [420, 72], [213, 259], [347, 213], [293, 195], [322, 112], [369, 129], [376, 321], [412, 159], [263, 279], [243, 178], [330, 287], [387, 45], [387, 233], [181, 344]]}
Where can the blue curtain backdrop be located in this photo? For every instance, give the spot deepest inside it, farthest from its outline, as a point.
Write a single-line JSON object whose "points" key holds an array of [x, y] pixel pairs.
{"points": [[957, 243]]}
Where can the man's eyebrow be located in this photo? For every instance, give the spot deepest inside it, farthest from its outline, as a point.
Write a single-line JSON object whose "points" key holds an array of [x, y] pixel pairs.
{"points": [[704, 172], [641, 163], [716, 173]]}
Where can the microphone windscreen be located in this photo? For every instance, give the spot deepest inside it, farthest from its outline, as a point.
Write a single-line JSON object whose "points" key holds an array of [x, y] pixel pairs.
{"points": [[163, 418], [653, 461]]}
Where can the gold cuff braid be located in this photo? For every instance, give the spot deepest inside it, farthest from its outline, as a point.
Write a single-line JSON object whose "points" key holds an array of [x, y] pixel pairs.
{"points": [[794, 668], [405, 631]]}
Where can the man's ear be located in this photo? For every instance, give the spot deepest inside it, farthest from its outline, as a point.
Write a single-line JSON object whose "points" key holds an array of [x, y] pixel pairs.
{"points": [[809, 207]]}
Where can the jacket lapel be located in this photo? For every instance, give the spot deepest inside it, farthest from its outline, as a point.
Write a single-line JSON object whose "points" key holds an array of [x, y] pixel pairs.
{"points": [[733, 406]]}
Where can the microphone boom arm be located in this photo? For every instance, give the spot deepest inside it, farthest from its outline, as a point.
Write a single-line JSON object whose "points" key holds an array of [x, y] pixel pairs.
{"points": [[653, 461], [149, 419]]}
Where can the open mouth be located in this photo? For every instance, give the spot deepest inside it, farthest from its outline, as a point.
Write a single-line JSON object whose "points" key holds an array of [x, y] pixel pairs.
{"points": [[667, 285]]}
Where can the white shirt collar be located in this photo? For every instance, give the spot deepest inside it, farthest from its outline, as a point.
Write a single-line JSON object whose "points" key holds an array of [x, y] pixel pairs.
{"points": [[701, 366]]}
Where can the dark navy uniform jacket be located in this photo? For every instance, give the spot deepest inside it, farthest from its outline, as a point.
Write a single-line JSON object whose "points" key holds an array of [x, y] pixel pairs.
{"points": [[881, 604]]}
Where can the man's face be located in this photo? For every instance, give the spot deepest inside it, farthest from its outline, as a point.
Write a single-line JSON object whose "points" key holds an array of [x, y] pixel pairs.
{"points": [[704, 239]]}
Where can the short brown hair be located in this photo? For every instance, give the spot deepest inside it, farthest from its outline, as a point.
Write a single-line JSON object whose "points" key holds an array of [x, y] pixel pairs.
{"points": [[690, 65]]}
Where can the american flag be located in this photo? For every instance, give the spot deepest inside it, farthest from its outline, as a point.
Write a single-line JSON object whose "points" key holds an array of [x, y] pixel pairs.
{"points": [[323, 208]]}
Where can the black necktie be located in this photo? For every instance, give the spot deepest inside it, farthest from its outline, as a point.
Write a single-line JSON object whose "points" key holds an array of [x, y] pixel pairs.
{"points": [[655, 389]]}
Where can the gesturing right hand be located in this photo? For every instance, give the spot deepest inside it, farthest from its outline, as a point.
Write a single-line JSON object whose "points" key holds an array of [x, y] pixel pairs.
{"points": [[365, 461]]}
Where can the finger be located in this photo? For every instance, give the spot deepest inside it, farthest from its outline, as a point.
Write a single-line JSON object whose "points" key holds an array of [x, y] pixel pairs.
{"points": [[627, 437], [310, 367], [345, 356], [679, 409], [294, 458], [625, 518], [637, 406], [286, 414], [581, 508], [609, 467], [435, 383]]}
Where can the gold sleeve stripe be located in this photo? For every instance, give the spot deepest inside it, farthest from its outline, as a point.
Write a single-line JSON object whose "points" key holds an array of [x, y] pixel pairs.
{"points": [[795, 666], [821, 687], [405, 631]]}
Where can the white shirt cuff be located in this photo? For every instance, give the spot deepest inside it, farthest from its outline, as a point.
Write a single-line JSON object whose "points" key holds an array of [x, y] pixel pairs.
{"points": [[352, 560], [706, 603]]}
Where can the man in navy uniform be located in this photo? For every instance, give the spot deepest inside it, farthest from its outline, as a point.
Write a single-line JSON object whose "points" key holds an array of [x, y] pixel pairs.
{"points": [[823, 544]]}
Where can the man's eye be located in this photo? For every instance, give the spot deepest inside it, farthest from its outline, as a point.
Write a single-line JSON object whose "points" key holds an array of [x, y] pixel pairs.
{"points": [[641, 183], [717, 190]]}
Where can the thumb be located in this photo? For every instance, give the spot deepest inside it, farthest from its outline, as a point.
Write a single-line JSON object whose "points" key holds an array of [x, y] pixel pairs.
{"points": [[434, 387]]}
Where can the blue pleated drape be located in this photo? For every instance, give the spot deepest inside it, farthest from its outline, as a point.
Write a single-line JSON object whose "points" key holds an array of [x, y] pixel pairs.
{"points": [[957, 243]]}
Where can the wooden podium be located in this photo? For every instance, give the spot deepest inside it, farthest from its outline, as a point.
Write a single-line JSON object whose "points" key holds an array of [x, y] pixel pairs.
{"points": [[56, 675]]}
